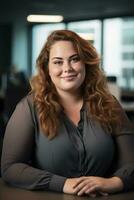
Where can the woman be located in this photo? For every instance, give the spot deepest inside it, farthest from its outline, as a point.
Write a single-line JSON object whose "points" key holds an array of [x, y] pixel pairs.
{"points": [[69, 134]]}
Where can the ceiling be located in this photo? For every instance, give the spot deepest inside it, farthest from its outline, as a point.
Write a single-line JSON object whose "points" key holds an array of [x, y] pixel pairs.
{"points": [[70, 9]]}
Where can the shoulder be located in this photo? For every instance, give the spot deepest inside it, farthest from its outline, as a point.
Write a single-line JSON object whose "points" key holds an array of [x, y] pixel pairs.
{"points": [[27, 101], [22, 113], [28, 106], [25, 106]]}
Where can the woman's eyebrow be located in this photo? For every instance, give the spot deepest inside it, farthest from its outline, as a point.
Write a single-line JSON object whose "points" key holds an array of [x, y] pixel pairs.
{"points": [[60, 58], [74, 55], [56, 58]]}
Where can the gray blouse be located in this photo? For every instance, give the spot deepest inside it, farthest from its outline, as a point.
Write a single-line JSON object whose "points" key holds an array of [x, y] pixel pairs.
{"points": [[31, 161]]}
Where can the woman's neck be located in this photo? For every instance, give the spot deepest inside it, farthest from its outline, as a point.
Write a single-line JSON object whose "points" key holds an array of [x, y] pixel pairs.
{"points": [[72, 104], [70, 99]]}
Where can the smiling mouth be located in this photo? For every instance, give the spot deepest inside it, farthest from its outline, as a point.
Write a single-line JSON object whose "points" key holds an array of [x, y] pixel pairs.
{"points": [[69, 77]]}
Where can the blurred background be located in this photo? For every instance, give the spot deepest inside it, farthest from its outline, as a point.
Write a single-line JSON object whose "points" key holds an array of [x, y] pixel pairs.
{"points": [[108, 25]]}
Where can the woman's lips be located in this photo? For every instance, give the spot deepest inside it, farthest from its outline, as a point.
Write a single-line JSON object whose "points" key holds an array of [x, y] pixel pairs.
{"points": [[69, 77]]}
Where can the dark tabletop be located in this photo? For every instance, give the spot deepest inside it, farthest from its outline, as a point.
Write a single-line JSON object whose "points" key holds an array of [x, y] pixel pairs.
{"points": [[11, 193]]}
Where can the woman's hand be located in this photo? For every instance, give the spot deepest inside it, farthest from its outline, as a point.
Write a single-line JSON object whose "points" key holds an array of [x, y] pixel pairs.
{"points": [[69, 185], [93, 185]]}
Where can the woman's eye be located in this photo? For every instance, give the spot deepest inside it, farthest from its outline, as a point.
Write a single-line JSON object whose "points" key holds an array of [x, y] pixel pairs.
{"points": [[57, 62], [76, 59]]}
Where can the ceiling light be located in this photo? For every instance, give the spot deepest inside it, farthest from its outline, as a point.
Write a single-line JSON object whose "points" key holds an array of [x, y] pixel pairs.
{"points": [[45, 18]]}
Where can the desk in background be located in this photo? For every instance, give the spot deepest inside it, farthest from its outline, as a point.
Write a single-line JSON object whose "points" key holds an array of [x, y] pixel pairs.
{"points": [[11, 193], [127, 101], [128, 106], [129, 109]]}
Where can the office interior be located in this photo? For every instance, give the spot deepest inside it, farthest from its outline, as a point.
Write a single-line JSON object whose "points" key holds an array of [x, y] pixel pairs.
{"points": [[109, 25]]}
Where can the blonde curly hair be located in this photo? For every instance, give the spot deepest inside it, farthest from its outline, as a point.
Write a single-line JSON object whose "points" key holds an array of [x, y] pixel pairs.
{"points": [[100, 104]]}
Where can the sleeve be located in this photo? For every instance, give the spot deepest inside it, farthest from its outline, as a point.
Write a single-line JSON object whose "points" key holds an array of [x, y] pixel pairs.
{"points": [[124, 143], [17, 153]]}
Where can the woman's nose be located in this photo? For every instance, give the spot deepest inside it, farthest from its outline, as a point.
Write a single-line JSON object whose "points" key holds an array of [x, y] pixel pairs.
{"points": [[67, 67]]}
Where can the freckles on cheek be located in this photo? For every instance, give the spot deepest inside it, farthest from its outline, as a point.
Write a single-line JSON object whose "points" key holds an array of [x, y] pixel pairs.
{"points": [[54, 73]]}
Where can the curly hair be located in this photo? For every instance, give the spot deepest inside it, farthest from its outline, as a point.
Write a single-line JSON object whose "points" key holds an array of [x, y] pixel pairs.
{"points": [[100, 104]]}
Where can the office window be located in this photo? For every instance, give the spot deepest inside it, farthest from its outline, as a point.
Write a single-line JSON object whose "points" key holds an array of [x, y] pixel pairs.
{"points": [[90, 30], [39, 35], [128, 56], [128, 36], [118, 52]]}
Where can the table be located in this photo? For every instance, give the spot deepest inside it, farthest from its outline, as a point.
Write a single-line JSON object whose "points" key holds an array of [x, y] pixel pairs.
{"points": [[11, 193]]}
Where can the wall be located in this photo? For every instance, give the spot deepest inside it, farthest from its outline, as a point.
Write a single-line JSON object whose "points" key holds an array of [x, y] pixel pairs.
{"points": [[5, 46], [14, 48]]}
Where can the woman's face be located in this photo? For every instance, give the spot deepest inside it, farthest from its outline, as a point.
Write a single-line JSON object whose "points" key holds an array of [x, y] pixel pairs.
{"points": [[66, 69]]}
